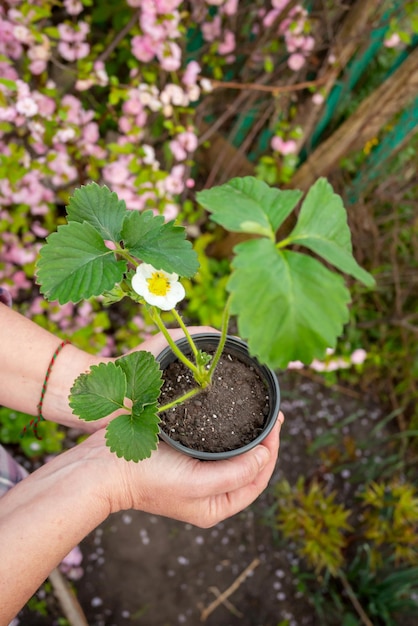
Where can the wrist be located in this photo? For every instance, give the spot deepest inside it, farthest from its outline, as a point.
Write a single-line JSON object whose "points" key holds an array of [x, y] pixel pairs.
{"points": [[69, 364]]}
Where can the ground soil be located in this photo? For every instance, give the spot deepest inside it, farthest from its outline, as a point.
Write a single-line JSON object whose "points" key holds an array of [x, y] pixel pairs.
{"points": [[225, 416], [145, 570]]}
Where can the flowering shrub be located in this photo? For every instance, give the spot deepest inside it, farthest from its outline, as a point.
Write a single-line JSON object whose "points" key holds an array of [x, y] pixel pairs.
{"points": [[109, 93]]}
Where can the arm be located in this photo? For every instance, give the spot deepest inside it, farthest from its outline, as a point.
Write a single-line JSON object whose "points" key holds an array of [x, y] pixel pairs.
{"points": [[48, 513], [26, 350]]}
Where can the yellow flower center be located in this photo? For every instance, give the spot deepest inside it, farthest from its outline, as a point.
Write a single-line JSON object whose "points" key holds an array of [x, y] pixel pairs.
{"points": [[158, 284]]}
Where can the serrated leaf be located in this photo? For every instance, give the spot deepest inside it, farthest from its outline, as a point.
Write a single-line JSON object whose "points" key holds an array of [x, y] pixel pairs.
{"points": [[249, 205], [135, 436], [75, 264], [99, 392], [100, 207], [322, 227], [163, 245], [281, 308], [143, 374]]}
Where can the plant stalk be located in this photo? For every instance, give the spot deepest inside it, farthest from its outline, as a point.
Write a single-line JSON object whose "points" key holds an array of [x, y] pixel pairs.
{"points": [[221, 344], [184, 328], [349, 590], [179, 400], [179, 354]]}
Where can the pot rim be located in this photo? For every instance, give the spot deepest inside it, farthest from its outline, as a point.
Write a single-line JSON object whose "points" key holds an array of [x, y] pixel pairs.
{"points": [[269, 378]]}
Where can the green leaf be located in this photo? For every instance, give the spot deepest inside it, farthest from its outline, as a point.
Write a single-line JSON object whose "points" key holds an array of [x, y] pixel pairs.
{"points": [[249, 205], [135, 436], [10, 84], [101, 208], [143, 374], [322, 227], [99, 392], [291, 308], [163, 245], [75, 264]]}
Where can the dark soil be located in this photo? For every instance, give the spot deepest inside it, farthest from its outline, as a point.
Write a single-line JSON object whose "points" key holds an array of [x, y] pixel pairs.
{"points": [[227, 415]]}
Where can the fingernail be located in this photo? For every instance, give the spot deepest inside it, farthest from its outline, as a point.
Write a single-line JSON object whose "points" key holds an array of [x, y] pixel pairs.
{"points": [[262, 456]]}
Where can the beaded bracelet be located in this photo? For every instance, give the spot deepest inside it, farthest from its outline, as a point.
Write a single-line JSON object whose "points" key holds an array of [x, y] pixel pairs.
{"points": [[39, 417]]}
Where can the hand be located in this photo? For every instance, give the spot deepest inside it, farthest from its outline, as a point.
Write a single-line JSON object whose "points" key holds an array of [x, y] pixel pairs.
{"points": [[174, 485]]}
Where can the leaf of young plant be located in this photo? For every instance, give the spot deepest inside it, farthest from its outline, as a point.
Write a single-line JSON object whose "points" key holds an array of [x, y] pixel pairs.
{"points": [[282, 308], [143, 376], [135, 436], [75, 264], [322, 227], [100, 207], [162, 244], [99, 392], [249, 205]]}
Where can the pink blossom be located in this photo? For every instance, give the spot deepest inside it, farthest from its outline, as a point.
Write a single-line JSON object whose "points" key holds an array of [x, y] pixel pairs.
{"points": [[63, 170], [279, 4], [46, 105], [228, 44], [73, 51], [39, 230], [73, 7], [117, 172], [90, 133], [212, 30], [359, 356], [174, 184], [270, 18], [317, 98], [166, 6], [282, 146], [392, 41], [6, 71], [170, 211], [143, 48], [296, 61], [37, 67], [19, 282], [27, 106], [22, 34], [230, 7], [133, 105], [170, 56], [191, 73]]}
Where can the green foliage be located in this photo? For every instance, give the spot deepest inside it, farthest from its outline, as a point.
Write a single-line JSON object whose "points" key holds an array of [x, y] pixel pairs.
{"points": [[131, 384], [314, 520], [278, 294], [12, 425], [206, 291], [76, 263], [376, 563], [391, 520]]}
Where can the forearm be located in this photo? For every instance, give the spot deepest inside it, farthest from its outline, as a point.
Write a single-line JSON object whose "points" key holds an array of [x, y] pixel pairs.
{"points": [[26, 351], [44, 517]]}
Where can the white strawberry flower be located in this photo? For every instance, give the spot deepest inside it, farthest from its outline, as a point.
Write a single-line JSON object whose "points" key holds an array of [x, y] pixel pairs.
{"points": [[157, 287]]}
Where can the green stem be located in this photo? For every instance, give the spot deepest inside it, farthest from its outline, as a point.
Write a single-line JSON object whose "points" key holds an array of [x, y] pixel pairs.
{"points": [[180, 400], [350, 592], [186, 332], [176, 350], [283, 243], [221, 344]]}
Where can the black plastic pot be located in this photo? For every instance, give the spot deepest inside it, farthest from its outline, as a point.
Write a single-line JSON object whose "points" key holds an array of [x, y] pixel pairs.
{"points": [[239, 349]]}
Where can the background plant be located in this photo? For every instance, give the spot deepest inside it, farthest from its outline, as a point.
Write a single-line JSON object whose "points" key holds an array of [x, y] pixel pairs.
{"points": [[373, 569]]}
